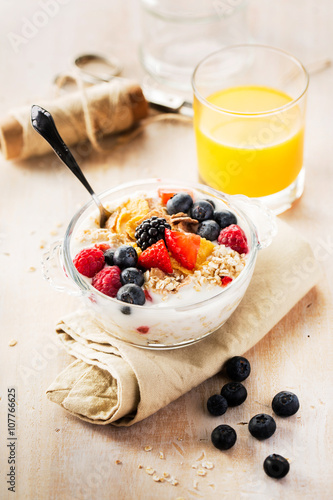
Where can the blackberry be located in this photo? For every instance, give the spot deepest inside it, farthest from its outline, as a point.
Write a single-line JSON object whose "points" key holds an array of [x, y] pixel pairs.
{"points": [[150, 231]]}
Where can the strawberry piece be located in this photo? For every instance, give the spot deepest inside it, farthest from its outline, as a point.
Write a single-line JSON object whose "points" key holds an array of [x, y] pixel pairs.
{"points": [[234, 237], [156, 256], [148, 296], [143, 329], [102, 246], [108, 281], [225, 280], [89, 261], [165, 194], [184, 247]]}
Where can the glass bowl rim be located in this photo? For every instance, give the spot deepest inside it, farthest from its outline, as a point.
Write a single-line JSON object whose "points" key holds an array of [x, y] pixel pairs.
{"points": [[83, 285], [272, 111]]}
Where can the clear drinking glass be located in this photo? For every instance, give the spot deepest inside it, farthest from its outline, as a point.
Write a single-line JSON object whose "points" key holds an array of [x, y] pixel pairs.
{"points": [[176, 35], [249, 117]]}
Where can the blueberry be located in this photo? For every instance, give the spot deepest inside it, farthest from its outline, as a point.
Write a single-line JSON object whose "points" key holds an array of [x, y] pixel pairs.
{"points": [[285, 404], [235, 393], [276, 466], [132, 294], [181, 202], [238, 368], [262, 426], [132, 275], [217, 405], [211, 202], [223, 437], [202, 210], [224, 218], [125, 256], [108, 256], [125, 310], [209, 229]]}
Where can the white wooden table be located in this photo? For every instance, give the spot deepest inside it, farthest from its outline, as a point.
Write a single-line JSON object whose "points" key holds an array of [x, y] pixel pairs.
{"points": [[60, 457]]}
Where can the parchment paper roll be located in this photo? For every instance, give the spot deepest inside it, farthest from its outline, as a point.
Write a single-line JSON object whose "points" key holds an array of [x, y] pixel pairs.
{"points": [[103, 109]]}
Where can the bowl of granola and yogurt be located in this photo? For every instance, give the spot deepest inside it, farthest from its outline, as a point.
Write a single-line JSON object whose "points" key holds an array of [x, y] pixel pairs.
{"points": [[171, 265]]}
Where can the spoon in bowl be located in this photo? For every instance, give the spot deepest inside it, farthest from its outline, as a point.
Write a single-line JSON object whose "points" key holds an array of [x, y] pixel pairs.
{"points": [[43, 123]]}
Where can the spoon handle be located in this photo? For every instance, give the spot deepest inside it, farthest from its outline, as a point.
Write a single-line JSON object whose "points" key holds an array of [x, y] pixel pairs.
{"points": [[43, 123]]}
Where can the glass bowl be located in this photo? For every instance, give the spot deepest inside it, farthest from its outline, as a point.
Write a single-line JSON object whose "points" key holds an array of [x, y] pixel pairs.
{"points": [[164, 326]]}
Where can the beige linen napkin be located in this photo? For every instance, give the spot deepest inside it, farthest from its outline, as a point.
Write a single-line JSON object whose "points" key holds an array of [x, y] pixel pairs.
{"points": [[111, 382]]}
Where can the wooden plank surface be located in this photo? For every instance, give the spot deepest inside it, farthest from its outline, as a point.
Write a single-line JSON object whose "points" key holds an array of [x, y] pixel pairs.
{"points": [[60, 457]]}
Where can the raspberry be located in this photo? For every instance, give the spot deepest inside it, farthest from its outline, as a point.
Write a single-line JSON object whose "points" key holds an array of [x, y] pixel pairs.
{"points": [[234, 237], [108, 281], [89, 261]]}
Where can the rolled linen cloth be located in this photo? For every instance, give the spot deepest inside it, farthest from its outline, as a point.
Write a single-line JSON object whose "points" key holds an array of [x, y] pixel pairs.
{"points": [[113, 382], [100, 110]]}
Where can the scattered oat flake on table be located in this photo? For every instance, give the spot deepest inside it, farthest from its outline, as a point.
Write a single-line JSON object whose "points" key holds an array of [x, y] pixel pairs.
{"points": [[207, 465], [166, 474], [174, 482], [148, 448], [201, 472], [150, 471], [31, 269], [195, 484], [201, 456], [57, 430], [140, 466], [118, 462], [11, 343], [53, 232], [161, 455], [194, 466], [157, 478]]}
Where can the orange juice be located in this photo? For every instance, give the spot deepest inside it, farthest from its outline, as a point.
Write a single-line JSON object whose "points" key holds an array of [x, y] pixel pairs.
{"points": [[250, 141]]}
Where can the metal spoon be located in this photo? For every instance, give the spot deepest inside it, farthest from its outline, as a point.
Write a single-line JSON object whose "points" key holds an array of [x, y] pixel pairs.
{"points": [[43, 123]]}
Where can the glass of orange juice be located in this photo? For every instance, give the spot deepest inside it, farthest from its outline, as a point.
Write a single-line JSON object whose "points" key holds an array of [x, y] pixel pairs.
{"points": [[249, 117]]}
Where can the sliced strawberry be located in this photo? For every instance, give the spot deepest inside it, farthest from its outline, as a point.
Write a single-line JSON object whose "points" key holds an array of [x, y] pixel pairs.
{"points": [[183, 246], [166, 193], [148, 296], [156, 256]]}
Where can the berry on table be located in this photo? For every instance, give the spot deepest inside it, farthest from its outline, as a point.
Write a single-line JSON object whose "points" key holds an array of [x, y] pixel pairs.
{"points": [[202, 210], [224, 218], [276, 466], [107, 281], [235, 393], [238, 368], [217, 405], [234, 237], [150, 231], [183, 246], [181, 202], [285, 404], [89, 261], [125, 256], [209, 229], [262, 426], [132, 275], [156, 256], [132, 294], [109, 256], [223, 437]]}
